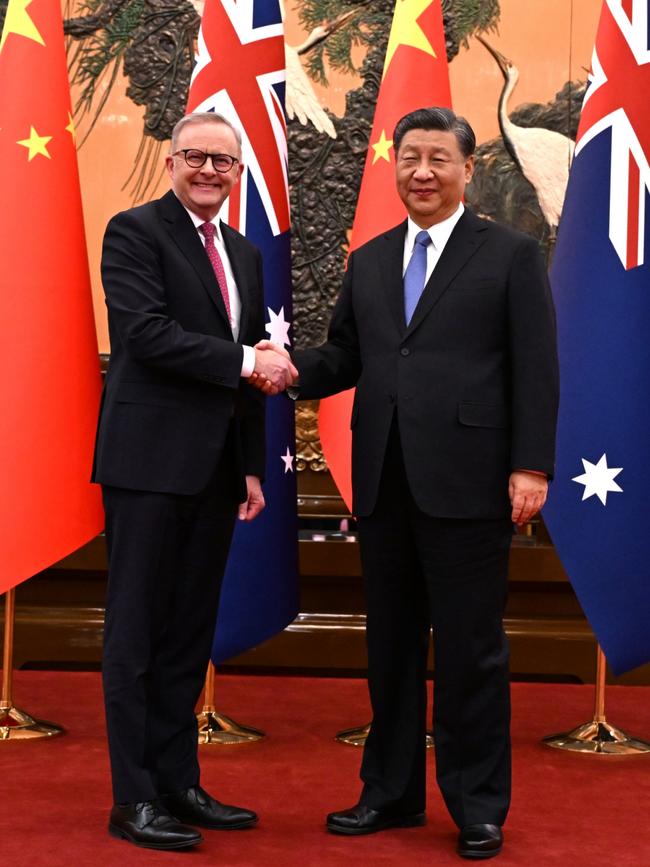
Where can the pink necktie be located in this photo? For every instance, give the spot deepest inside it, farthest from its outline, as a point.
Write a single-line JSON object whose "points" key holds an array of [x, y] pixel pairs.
{"points": [[208, 230]]}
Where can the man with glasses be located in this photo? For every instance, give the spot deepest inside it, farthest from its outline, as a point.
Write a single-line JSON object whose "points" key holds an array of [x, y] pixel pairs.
{"points": [[179, 455]]}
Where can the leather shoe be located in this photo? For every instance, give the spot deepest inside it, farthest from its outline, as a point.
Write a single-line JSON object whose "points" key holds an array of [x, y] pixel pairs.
{"points": [[150, 825], [196, 807], [364, 820], [480, 841]]}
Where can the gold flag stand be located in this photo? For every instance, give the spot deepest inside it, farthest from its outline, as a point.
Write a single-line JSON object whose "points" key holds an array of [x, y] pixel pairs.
{"points": [[15, 724], [356, 737], [598, 737], [215, 727]]}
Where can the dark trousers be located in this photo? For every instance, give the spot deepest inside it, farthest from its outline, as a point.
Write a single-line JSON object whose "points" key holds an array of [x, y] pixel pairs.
{"points": [[448, 574], [166, 555]]}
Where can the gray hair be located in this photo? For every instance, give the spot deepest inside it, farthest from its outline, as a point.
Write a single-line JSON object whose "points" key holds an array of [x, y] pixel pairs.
{"points": [[443, 119], [197, 117]]}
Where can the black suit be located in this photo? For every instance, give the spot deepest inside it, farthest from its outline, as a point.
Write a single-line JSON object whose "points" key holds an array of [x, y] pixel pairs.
{"points": [[445, 409], [178, 432]]}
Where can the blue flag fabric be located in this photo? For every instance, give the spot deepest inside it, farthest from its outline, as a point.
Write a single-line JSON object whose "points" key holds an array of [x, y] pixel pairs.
{"points": [[597, 511], [240, 74]]}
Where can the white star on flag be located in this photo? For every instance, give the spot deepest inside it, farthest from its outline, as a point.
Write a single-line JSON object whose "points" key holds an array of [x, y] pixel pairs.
{"points": [[598, 479], [278, 328], [288, 461]]}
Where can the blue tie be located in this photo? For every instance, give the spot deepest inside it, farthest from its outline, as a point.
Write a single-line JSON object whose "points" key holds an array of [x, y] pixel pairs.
{"points": [[415, 274]]}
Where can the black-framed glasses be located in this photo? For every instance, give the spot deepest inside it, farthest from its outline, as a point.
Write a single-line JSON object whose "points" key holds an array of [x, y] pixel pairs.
{"points": [[195, 159]]}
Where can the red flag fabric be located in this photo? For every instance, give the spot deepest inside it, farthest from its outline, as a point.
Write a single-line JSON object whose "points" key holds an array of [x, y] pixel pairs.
{"points": [[50, 381], [415, 75]]}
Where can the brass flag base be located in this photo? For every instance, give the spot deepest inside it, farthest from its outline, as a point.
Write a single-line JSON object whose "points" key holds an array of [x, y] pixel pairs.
{"points": [[356, 737], [17, 725], [217, 728], [598, 737]]}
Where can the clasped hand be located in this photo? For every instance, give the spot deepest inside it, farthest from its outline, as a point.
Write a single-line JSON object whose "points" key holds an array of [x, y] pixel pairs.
{"points": [[274, 371]]}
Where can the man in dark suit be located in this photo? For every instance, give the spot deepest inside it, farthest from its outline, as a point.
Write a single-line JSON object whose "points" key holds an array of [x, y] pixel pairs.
{"points": [[179, 454], [445, 324]]}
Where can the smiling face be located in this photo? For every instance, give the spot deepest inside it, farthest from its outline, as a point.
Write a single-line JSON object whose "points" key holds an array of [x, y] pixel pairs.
{"points": [[431, 174], [203, 191]]}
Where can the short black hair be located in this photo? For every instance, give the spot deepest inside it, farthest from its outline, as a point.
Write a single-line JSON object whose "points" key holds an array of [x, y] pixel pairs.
{"points": [[443, 119]]}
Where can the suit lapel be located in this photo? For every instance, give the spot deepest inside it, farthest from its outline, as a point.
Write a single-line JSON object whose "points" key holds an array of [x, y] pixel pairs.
{"points": [[183, 233], [392, 263], [463, 242]]}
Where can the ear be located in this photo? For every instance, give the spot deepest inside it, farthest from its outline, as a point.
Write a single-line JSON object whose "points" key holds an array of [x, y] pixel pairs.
{"points": [[169, 165], [240, 169], [469, 168]]}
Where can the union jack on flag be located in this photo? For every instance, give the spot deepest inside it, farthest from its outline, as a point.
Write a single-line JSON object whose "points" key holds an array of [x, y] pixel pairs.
{"points": [[618, 98], [597, 506], [240, 74]]}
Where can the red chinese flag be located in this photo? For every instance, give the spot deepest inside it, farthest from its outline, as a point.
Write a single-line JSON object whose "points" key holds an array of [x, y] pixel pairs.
{"points": [[415, 76], [49, 369]]}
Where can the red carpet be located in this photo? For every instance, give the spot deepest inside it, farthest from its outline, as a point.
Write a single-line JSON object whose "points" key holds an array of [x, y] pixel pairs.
{"points": [[568, 811]]}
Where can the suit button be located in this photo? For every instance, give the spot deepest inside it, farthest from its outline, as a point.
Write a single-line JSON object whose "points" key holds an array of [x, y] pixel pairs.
{"points": [[405, 351]]}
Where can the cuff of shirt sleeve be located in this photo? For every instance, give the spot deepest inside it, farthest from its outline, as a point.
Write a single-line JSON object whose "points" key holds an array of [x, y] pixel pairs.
{"points": [[248, 362]]}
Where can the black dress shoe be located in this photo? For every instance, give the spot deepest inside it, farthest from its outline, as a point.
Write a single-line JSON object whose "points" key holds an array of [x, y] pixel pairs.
{"points": [[480, 841], [364, 820], [196, 807], [150, 825]]}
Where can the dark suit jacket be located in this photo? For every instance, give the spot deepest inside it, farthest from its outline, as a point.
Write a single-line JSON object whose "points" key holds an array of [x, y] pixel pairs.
{"points": [[173, 389], [473, 377]]}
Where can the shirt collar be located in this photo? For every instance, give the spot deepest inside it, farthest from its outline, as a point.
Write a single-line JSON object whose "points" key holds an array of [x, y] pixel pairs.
{"points": [[439, 232]]}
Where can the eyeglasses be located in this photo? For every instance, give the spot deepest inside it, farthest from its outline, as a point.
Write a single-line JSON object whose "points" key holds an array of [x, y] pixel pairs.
{"points": [[195, 159]]}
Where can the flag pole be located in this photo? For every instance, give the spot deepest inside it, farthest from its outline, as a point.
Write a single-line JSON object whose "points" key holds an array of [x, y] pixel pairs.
{"points": [[15, 724], [215, 727], [598, 737]]}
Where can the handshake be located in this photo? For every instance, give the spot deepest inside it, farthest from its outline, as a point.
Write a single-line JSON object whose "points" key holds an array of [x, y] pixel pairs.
{"points": [[274, 371]]}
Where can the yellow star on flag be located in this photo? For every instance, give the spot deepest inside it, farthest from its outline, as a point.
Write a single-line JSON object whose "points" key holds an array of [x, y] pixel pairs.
{"points": [[17, 21], [406, 30], [382, 148], [72, 129], [36, 144]]}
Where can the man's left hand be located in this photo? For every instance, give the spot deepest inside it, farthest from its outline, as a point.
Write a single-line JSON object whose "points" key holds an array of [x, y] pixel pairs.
{"points": [[254, 501], [527, 492]]}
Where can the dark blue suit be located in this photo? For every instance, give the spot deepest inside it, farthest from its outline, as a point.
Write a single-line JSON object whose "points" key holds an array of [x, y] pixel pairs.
{"points": [[445, 409], [178, 432]]}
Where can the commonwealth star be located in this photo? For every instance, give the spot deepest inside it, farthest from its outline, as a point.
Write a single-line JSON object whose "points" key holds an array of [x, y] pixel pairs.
{"points": [[598, 479], [278, 328]]}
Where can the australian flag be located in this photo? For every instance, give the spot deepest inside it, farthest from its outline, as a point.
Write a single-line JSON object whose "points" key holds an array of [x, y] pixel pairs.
{"points": [[240, 74], [597, 511]]}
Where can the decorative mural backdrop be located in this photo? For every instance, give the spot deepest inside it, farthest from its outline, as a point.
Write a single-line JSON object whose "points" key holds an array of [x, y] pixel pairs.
{"points": [[517, 72]]}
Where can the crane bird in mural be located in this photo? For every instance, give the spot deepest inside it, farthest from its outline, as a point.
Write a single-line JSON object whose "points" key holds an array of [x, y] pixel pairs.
{"points": [[542, 155]]}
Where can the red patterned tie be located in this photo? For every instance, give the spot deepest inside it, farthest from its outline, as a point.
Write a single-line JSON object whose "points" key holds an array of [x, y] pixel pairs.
{"points": [[208, 229]]}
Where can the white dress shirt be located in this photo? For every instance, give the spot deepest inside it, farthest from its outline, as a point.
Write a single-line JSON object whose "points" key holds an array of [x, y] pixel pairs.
{"points": [[248, 361], [439, 234]]}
